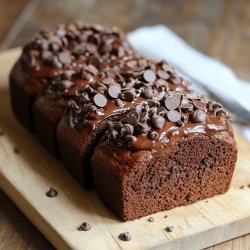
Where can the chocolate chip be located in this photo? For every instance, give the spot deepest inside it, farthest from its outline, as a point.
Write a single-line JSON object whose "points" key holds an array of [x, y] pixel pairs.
{"points": [[131, 64], [161, 111], [142, 128], [118, 102], [130, 139], [169, 229], [114, 133], [167, 68], [198, 116], [153, 135], [125, 236], [108, 80], [242, 187], [157, 121], [138, 108], [128, 95], [172, 102], [92, 69], [173, 116], [151, 219], [56, 62], [100, 100], [186, 105], [114, 91], [163, 74], [148, 93], [51, 193], [143, 116], [127, 129], [132, 117], [210, 106], [165, 216], [85, 226], [65, 57], [111, 73], [67, 84], [192, 96], [47, 55], [149, 75], [175, 80], [16, 150], [199, 104]]}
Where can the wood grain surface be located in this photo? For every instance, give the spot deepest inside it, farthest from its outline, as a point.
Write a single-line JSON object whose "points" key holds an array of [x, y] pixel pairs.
{"points": [[27, 171], [218, 28]]}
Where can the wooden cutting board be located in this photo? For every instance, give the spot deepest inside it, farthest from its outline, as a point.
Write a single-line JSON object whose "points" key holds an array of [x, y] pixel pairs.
{"points": [[26, 176]]}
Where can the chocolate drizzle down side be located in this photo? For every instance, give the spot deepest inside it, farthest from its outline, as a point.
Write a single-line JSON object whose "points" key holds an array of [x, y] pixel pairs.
{"points": [[122, 86]]}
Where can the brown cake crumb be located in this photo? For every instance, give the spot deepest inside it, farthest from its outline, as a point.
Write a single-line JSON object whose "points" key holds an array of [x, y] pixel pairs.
{"points": [[125, 236], [151, 219], [16, 150], [248, 185], [85, 226], [241, 187], [166, 216], [1, 132], [51, 193], [169, 229]]}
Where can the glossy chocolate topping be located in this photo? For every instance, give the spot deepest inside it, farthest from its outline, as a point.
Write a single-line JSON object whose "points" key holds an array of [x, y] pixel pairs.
{"points": [[67, 47], [124, 85], [158, 125]]}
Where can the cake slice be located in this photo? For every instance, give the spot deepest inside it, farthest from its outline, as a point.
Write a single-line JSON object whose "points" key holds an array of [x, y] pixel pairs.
{"points": [[119, 88], [55, 51], [54, 99], [184, 151]]}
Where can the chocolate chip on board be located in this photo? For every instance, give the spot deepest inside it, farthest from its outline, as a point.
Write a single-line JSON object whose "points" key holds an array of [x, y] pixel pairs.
{"points": [[85, 226], [51, 193], [125, 236]]}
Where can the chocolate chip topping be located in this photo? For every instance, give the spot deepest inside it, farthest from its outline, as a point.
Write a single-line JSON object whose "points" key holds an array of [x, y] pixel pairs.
{"points": [[156, 119], [149, 75], [65, 44], [51, 193], [172, 102], [85, 226], [125, 236], [199, 104], [198, 116], [64, 57], [100, 100], [114, 91], [173, 116], [128, 95]]}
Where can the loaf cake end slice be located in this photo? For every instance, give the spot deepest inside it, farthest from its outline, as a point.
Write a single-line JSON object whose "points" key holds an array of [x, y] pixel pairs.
{"points": [[136, 175]]}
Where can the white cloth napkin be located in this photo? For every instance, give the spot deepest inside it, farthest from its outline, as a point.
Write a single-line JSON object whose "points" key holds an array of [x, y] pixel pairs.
{"points": [[159, 42]]}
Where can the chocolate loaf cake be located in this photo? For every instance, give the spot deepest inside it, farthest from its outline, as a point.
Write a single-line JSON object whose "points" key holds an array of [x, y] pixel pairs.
{"points": [[84, 123], [57, 50], [126, 124], [179, 151]]}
